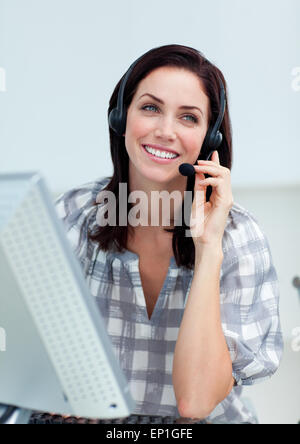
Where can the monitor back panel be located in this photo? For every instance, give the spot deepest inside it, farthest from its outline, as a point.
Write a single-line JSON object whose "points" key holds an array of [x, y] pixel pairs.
{"points": [[58, 355]]}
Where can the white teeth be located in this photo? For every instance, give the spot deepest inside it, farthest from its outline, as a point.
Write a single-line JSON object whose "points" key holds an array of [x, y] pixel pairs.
{"points": [[162, 154]]}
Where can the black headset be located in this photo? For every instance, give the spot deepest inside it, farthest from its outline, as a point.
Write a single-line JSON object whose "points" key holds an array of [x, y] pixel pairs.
{"points": [[213, 139]]}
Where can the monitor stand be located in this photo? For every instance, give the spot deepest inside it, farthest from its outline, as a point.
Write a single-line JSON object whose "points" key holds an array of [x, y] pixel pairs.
{"points": [[14, 415]]}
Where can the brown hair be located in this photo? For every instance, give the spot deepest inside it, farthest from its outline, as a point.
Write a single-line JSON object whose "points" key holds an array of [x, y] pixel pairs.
{"points": [[194, 61]]}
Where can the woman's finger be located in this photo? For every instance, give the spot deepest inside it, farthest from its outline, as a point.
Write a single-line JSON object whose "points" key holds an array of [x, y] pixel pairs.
{"points": [[209, 181], [198, 179], [221, 188], [209, 169], [215, 157]]}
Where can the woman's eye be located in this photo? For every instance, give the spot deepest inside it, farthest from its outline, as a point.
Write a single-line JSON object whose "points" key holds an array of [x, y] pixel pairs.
{"points": [[146, 107], [194, 119], [190, 117]]}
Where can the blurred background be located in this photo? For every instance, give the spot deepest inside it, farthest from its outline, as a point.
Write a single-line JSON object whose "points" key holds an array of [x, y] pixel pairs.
{"points": [[60, 61]]}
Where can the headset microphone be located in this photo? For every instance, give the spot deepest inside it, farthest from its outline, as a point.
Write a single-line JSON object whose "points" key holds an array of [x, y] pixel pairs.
{"points": [[186, 169]]}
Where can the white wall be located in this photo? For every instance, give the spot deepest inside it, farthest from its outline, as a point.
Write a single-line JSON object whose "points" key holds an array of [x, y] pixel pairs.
{"points": [[63, 58], [278, 213]]}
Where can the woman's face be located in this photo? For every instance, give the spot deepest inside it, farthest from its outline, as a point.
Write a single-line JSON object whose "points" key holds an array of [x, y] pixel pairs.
{"points": [[169, 111]]}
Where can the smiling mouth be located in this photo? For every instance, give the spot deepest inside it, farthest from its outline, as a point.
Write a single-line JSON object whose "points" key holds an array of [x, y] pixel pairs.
{"points": [[160, 154]]}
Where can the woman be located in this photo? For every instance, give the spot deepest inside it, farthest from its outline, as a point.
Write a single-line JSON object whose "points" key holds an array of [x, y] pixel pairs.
{"points": [[191, 318]]}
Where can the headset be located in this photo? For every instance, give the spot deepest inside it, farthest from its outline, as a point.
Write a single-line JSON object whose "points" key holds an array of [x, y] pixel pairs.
{"points": [[213, 139]]}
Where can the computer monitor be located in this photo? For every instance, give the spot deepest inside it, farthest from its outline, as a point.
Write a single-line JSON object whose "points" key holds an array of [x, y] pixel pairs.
{"points": [[55, 355]]}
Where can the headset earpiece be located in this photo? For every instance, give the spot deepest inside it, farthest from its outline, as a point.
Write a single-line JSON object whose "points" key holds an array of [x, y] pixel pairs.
{"points": [[216, 140], [214, 137], [118, 116], [117, 121]]}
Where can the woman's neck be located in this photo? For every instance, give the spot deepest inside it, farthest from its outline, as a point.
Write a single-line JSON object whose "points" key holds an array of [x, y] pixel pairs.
{"points": [[159, 202]]}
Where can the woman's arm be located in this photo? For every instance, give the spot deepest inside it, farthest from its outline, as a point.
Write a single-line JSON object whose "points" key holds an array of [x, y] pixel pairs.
{"points": [[202, 368]]}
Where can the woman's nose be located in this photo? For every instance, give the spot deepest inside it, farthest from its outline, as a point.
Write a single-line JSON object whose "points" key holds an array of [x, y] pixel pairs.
{"points": [[165, 129]]}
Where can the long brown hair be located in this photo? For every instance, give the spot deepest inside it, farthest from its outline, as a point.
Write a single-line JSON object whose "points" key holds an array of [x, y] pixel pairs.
{"points": [[194, 61]]}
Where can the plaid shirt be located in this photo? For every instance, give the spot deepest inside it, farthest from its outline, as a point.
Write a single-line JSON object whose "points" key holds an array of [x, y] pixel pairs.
{"points": [[249, 299]]}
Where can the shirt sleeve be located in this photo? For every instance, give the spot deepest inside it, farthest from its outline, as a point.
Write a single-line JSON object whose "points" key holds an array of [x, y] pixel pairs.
{"points": [[249, 294], [71, 209], [77, 211]]}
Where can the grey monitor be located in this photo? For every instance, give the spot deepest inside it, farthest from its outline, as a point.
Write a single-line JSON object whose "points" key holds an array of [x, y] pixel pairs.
{"points": [[55, 354]]}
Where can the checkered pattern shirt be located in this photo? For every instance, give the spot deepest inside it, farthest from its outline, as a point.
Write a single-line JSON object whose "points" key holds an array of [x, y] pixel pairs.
{"points": [[249, 299]]}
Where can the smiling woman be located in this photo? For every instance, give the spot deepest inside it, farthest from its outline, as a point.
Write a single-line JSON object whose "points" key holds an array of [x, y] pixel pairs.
{"points": [[191, 319], [153, 103]]}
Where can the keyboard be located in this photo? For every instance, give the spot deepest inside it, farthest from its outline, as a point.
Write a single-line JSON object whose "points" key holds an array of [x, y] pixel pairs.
{"points": [[47, 418]]}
